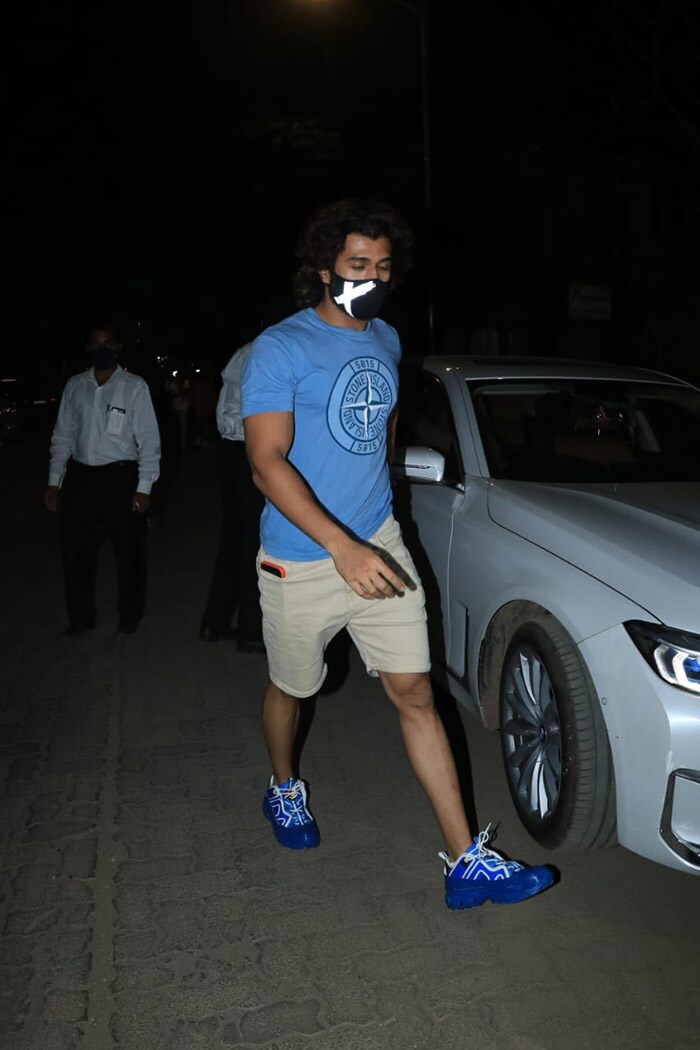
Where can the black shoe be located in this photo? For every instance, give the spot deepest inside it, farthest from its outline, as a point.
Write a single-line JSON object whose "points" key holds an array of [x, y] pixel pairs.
{"points": [[127, 626], [208, 634], [250, 645], [75, 629]]}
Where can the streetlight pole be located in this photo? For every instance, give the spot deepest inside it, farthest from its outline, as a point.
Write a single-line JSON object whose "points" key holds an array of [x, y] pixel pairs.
{"points": [[419, 8]]}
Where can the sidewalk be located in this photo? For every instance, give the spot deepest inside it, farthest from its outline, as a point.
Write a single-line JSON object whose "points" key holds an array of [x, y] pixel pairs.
{"points": [[146, 906]]}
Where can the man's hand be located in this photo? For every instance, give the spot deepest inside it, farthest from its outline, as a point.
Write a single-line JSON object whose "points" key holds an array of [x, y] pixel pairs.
{"points": [[51, 498], [140, 503], [364, 570]]}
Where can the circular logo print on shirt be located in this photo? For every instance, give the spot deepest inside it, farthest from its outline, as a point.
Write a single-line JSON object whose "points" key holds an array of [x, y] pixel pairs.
{"points": [[362, 398]]}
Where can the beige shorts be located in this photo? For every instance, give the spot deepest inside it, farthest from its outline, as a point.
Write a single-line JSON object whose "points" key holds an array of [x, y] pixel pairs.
{"points": [[303, 611]]}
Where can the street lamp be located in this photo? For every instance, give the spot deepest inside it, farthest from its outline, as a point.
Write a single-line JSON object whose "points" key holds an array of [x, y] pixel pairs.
{"points": [[419, 9]]}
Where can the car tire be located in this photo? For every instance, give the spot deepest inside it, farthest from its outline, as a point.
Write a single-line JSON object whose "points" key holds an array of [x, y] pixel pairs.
{"points": [[554, 741]]}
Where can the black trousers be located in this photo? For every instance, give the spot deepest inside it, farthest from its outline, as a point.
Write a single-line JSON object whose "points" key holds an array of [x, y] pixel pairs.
{"points": [[234, 584], [96, 502]]}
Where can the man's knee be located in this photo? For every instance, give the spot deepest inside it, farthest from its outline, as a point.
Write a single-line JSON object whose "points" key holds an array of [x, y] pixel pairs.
{"points": [[409, 692]]}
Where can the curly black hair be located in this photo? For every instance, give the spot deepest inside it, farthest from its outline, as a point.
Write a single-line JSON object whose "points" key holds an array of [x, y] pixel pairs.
{"points": [[323, 238]]}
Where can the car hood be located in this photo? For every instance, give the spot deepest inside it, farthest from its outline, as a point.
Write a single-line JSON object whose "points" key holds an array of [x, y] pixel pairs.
{"points": [[641, 539]]}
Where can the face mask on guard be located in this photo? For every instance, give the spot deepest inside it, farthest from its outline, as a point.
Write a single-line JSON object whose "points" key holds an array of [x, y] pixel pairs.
{"points": [[103, 356]]}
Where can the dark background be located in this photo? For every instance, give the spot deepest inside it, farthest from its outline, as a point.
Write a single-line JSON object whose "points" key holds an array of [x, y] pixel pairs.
{"points": [[164, 156]]}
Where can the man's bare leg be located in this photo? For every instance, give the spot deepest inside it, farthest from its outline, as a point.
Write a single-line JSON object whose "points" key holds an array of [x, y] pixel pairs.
{"points": [[280, 720], [430, 756]]}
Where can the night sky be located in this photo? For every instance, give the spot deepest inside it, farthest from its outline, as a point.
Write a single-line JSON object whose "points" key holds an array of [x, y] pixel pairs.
{"points": [[164, 155]]}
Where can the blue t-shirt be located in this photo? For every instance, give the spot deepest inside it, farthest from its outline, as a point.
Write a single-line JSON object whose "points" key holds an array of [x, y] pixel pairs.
{"points": [[341, 385]]}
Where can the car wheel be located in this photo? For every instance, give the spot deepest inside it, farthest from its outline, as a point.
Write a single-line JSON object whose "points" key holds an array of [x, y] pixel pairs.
{"points": [[554, 741]]}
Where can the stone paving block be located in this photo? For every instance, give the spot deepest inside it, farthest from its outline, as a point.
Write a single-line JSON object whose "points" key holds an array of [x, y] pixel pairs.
{"points": [[134, 1031], [133, 946], [199, 935], [231, 908], [482, 1022], [14, 996], [466, 974], [149, 870], [410, 913], [165, 840], [85, 811], [403, 962], [214, 852], [178, 914], [348, 941], [51, 831], [46, 806], [344, 1037], [24, 921], [20, 748], [269, 1022], [136, 785], [64, 959], [194, 884], [54, 1036], [86, 763], [15, 814], [194, 1035], [67, 1005], [26, 766], [133, 905], [86, 787], [145, 813], [143, 974], [347, 998], [133, 760], [16, 950], [36, 885], [9, 731], [203, 998], [79, 857]]}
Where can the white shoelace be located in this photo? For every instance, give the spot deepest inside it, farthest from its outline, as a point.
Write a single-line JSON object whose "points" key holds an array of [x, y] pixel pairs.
{"points": [[480, 853]]}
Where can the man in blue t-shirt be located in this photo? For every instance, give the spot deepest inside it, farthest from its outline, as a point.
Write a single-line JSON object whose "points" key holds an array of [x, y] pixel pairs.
{"points": [[319, 402]]}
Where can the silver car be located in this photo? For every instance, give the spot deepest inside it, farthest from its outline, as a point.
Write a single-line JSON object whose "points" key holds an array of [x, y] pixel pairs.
{"points": [[554, 512]]}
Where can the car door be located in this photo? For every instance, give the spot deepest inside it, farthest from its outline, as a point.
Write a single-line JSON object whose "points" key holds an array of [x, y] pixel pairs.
{"points": [[427, 511]]}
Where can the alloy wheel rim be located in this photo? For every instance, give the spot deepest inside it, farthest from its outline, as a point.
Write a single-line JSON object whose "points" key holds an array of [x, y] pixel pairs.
{"points": [[531, 733]]}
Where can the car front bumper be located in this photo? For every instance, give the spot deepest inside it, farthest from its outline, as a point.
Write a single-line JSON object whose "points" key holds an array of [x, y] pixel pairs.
{"points": [[654, 733]]}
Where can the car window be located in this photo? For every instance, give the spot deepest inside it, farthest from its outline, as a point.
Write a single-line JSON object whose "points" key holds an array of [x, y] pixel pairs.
{"points": [[576, 430], [426, 420]]}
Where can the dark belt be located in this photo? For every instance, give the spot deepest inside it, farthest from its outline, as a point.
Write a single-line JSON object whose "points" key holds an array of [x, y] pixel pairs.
{"points": [[75, 463]]}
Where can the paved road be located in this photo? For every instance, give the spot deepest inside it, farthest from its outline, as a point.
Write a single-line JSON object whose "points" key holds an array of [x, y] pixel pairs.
{"points": [[145, 906]]}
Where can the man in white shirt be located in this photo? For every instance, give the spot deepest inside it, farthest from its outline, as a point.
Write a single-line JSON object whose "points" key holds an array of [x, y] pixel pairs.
{"points": [[105, 456], [234, 584]]}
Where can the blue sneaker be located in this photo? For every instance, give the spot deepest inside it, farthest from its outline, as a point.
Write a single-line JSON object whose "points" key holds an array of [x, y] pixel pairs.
{"points": [[285, 807], [480, 875]]}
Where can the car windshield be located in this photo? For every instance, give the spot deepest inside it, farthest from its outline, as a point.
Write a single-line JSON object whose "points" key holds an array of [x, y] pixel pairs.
{"points": [[588, 430]]}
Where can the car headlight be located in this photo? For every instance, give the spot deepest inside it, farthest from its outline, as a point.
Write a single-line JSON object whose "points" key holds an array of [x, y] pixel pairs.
{"points": [[674, 655]]}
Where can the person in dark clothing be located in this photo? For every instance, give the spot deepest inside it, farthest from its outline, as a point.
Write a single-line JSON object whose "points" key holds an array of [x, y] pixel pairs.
{"points": [[234, 584]]}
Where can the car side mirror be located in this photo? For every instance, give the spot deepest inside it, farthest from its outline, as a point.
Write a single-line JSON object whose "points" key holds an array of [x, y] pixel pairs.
{"points": [[418, 464]]}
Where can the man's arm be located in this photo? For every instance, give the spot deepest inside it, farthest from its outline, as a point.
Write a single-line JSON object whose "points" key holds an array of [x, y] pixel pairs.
{"points": [[228, 408], [268, 437], [147, 437], [61, 449]]}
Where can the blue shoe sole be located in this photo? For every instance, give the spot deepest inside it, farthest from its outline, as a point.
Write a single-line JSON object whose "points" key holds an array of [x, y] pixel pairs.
{"points": [[304, 837], [503, 891]]}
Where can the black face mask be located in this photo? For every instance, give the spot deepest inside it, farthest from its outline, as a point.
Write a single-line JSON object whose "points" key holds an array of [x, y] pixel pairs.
{"points": [[362, 299], [103, 356]]}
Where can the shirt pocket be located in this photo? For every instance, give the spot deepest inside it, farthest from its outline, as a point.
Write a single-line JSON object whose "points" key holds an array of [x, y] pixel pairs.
{"points": [[115, 420]]}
